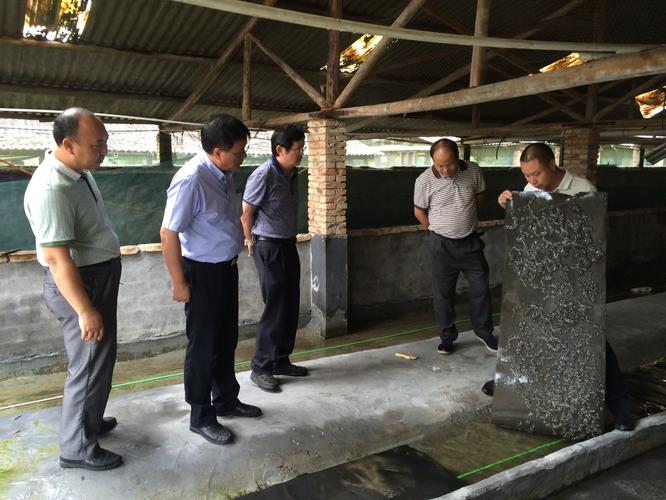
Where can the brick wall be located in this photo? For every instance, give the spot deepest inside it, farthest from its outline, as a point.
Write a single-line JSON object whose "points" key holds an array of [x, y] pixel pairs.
{"points": [[581, 151], [327, 178]]}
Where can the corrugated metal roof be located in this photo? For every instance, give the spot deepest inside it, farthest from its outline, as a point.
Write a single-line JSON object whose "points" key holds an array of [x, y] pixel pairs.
{"points": [[146, 77]]}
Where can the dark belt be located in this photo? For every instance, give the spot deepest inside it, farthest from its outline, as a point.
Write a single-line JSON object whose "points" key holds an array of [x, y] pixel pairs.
{"points": [[473, 234], [285, 241], [230, 262], [99, 265]]}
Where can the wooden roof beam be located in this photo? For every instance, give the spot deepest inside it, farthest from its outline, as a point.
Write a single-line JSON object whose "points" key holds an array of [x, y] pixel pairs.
{"points": [[208, 80], [644, 87], [291, 73], [328, 23], [546, 98], [405, 16], [620, 67], [464, 70]]}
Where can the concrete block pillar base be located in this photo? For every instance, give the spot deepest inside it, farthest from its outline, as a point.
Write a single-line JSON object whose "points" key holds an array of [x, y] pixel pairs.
{"points": [[328, 261]]}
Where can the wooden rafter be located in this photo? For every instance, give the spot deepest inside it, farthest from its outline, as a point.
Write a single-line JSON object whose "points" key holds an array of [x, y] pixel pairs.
{"points": [[333, 59], [601, 70], [328, 23], [546, 98], [293, 74], [454, 75], [644, 87], [208, 80], [246, 108], [405, 16]]}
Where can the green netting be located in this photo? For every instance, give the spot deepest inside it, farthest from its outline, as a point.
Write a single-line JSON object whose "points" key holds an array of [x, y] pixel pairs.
{"points": [[135, 198]]}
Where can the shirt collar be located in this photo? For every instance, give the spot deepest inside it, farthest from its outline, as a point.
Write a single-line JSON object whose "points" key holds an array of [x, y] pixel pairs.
{"points": [[219, 175], [462, 166], [565, 182], [276, 166], [68, 172]]}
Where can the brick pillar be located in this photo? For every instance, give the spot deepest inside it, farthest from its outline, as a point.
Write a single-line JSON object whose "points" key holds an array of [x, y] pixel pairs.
{"points": [[327, 223], [580, 152]]}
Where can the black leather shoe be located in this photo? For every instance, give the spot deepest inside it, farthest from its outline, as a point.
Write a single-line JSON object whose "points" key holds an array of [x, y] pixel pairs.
{"points": [[213, 433], [240, 410], [488, 388], [445, 348], [489, 341], [265, 381], [101, 459], [291, 370], [625, 423], [108, 423]]}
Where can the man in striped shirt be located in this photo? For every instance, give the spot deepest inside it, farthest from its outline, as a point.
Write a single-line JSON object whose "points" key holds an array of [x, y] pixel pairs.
{"points": [[446, 197]]}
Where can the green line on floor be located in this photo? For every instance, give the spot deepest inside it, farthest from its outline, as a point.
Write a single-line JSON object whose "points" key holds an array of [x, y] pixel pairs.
{"points": [[247, 362], [508, 459]]}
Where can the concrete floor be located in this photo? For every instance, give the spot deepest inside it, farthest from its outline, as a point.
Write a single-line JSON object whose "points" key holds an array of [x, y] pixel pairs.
{"points": [[351, 406], [641, 478]]}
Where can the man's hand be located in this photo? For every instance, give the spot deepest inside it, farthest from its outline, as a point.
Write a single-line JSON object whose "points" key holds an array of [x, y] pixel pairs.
{"points": [[92, 326], [181, 291], [250, 247], [504, 197]]}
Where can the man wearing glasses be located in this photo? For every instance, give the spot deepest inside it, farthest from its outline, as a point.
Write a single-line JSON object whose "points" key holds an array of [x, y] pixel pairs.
{"points": [[201, 237], [270, 205]]}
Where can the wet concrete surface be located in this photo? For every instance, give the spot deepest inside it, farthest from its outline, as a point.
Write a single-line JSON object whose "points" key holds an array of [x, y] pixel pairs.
{"points": [[642, 478], [354, 405]]}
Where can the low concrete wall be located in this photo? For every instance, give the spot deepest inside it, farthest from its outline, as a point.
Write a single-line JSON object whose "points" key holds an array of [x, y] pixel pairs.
{"points": [[389, 273], [390, 270], [149, 322]]}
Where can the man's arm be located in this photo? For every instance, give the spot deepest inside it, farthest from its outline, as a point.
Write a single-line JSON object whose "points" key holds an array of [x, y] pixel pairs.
{"points": [[173, 258], [68, 280], [504, 197], [478, 198], [247, 220], [422, 216]]}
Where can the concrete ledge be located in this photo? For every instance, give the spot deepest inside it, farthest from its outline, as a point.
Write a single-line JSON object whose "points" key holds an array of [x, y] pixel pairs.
{"points": [[539, 478]]}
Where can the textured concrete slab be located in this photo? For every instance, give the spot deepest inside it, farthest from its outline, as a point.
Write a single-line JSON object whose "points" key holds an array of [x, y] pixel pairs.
{"points": [[539, 478], [351, 406], [550, 368]]}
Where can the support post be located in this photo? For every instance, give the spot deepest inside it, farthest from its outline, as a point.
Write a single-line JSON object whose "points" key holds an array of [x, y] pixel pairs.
{"points": [[333, 62], [246, 109], [327, 223], [164, 148]]}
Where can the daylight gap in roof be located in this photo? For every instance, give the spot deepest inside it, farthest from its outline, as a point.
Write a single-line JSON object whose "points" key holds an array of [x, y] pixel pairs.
{"points": [[651, 103], [352, 57], [56, 20]]}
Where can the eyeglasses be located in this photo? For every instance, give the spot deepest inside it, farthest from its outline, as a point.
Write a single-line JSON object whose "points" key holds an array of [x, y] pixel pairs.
{"points": [[300, 150], [242, 154]]}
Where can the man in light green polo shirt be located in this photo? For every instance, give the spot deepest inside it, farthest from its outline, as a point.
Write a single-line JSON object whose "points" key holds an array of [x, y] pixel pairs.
{"points": [[80, 253]]}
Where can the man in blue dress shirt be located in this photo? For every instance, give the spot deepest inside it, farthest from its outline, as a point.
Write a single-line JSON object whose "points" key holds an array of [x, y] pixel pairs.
{"points": [[270, 204], [201, 237]]}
